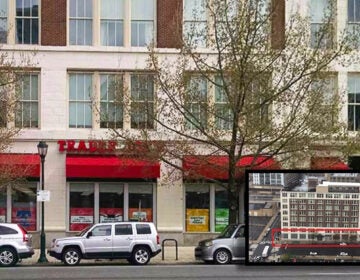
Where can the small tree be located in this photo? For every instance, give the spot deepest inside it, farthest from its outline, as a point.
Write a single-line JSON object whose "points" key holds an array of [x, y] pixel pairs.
{"points": [[258, 88]]}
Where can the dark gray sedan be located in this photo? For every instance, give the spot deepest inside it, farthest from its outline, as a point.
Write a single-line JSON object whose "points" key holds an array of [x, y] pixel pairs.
{"points": [[227, 247]]}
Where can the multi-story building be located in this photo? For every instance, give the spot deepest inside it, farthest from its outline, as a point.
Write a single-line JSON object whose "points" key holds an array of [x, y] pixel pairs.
{"points": [[81, 47], [332, 207]]}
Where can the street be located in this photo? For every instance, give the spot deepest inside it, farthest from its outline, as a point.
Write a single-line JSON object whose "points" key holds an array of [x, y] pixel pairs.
{"points": [[174, 272]]}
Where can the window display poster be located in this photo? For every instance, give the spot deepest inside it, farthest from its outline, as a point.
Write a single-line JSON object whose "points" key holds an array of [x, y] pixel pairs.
{"points": [[2, 214], [81, 218], [109, 215], [25, 216], [142, 215], [221, 219], [197, 220]]}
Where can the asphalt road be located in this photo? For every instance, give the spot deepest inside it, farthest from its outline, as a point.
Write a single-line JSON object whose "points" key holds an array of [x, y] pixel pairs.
{"points": [[179, 272]]}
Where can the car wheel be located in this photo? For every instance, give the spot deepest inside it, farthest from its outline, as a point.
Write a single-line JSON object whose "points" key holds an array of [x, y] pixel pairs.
{"points": [[222, 256], [140, 256], [71, 256], [8, 257]]}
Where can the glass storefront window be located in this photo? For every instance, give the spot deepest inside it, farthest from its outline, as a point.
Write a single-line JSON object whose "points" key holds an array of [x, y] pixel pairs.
{"points": [[3, 204], [111, 202], [221, 208], [141, 202], [197, 208], [81, 205], [23, 209]]}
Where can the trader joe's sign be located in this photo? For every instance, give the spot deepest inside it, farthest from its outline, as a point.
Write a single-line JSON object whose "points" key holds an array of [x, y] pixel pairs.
{"points": [[90, 146]]}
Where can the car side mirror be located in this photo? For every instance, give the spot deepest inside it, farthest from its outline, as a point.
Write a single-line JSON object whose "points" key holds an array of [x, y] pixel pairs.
{"points": [[89, 234]]}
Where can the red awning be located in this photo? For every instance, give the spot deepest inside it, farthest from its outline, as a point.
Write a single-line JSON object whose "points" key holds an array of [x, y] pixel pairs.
{"points": [[216, 167], [328, 163], [110, 167], [20, 165]]}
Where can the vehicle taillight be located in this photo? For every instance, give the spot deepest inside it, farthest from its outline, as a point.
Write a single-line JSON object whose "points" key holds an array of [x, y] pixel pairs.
{"points": [[24, 233], [157, 239]]}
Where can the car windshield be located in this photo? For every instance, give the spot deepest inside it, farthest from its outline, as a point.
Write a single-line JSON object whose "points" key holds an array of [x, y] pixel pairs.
{"points": [[81, 233], [228, 231]]}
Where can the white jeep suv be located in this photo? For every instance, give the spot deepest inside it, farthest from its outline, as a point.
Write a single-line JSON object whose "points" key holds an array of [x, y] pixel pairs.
{"points": [[15, 244], [137, 242]]}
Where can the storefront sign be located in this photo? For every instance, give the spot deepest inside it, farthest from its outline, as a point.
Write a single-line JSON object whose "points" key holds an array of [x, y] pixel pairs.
{"points": [[81, 219], [197, 220], [91, 146], [221, 219], [26, 216], [110, 215]]}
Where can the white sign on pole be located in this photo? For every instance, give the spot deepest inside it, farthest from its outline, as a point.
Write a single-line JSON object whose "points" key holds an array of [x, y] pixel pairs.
{"points": [[43, 195]]}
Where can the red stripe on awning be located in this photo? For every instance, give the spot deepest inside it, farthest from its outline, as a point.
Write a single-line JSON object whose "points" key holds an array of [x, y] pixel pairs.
{"points": [[110, 167], [328, 163], [216, 167], [20, 165]]}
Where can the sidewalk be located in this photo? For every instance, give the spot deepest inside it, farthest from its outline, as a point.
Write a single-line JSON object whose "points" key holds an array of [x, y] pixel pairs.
{"points": [[185, 256]]}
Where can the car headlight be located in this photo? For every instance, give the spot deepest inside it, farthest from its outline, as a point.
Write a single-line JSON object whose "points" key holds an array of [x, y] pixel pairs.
{"points": [[208, 243]]}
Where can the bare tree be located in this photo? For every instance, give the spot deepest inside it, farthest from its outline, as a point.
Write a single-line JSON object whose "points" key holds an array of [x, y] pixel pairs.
{"points": [[245, 83]]}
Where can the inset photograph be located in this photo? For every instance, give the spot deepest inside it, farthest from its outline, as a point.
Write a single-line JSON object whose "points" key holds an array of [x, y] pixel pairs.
{"points": [[303, 217]]}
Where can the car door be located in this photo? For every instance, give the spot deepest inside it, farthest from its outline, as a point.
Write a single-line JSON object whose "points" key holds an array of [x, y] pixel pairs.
{"points": [[123, 239], [99, 242], [239, 242]]}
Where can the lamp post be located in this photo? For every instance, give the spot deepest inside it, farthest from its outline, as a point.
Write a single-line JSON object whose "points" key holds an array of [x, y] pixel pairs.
{"points": [[42, 150]]}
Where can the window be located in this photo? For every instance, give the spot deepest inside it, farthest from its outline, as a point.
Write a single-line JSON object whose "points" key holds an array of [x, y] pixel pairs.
{"points": [[112, 22], [123, 229], [3, 21], [27, 22], [111, 202], [142, 22], [142, 101], [221, 208], [27, 107], [197, 208], [101, 230], [7, 230], [354, 102], [321, 26], [23, 205], [223, 113], [196, 103], [140, 202], [111, 101], [143, 229], [81, 20], [80, 105], [353, 20], [195, 25]]}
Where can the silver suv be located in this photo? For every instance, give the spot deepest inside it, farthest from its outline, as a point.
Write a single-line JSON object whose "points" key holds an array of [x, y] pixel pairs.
{"points": [[227, 247], [15, 244], [137, 242]]}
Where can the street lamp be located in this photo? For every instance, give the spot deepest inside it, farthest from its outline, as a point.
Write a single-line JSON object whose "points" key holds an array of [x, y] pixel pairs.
{"points": [[42, 150]]}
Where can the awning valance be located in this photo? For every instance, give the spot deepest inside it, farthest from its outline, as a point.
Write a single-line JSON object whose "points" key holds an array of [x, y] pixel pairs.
{"points": [[110, 167], [216, 167], [328, 163], [20, 165]]}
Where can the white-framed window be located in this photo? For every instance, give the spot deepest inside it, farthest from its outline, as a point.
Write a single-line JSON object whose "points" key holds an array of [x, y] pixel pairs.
{"points": [[223, 113], [81, 22], [195, 22], [111, 101], [142, 22], [100, 202], [27, 21], [112, 22], [354, 102], [3, 21], [353, 20], [27, 109], [321, 29], [196, 103], [142, 101], [80, 100]]}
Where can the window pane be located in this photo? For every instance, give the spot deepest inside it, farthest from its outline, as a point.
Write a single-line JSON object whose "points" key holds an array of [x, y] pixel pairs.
{"points": [[221, 209], [81, 205], [194, 10], [24, 205], [142, 9], [197, 208], [27, 27], [111, 202], [112, 9], [141, 202], [318, 10]]}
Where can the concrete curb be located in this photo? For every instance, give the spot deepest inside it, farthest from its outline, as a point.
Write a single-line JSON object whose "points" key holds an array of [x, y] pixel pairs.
{"points": [[185, 256]]}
